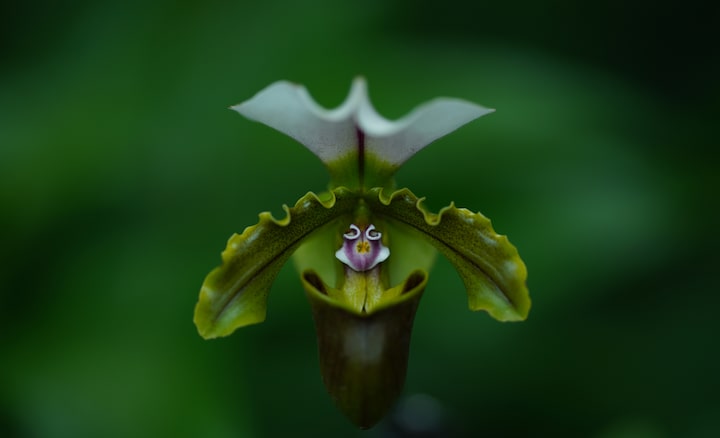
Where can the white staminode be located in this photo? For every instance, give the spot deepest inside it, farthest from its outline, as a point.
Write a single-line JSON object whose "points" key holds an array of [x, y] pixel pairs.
{"points": [[362, 250], [331, 134]]}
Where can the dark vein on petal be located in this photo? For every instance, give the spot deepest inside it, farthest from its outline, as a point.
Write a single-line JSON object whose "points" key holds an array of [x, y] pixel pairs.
{"points": [[450, 248], [361, 155], [239, 286]]}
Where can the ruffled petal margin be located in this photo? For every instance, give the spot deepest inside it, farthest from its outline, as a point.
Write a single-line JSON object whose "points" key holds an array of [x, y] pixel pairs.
{"points": [[491, 269], [235, 294]]}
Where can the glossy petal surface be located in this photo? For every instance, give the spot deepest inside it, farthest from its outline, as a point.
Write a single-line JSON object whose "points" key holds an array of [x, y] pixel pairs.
{"points": [[363, 356], [235, 294], [489, 265]]}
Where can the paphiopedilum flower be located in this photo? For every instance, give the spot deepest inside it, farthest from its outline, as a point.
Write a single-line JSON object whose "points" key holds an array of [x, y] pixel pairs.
{"points": [[363, 248]]}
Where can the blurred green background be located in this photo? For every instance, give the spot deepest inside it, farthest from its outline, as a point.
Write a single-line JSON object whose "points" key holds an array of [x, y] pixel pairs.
{"points": [[122, 174]]}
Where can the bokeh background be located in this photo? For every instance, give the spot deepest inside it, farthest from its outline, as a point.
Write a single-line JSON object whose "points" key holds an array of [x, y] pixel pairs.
{"points": [[122, 174]]}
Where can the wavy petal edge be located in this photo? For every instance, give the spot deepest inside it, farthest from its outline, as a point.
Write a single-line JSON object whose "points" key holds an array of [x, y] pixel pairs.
{"points": [[493, 272], [234, 294]]}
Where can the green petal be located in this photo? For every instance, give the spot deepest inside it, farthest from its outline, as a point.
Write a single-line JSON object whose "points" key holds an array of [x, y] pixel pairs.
{"points": [[317, 253], [488, 263], [363, 356], [409, 251], [235, 294]]}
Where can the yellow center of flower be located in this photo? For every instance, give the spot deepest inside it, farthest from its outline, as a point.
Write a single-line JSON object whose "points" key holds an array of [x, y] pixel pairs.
{"points": [[363, 247]]}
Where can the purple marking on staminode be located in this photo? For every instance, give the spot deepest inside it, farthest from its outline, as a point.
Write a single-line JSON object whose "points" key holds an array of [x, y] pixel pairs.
{"points": [[362, 250]]}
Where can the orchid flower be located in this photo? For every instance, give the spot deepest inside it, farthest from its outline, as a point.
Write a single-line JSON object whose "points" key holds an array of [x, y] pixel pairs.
{"points": [[363, 248]]}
